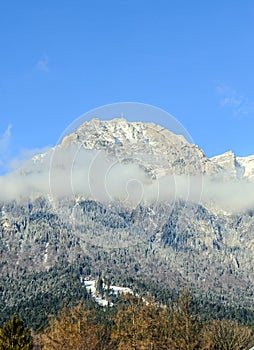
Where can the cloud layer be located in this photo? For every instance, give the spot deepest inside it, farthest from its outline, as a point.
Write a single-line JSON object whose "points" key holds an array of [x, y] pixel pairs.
{"points": [[89, 174]]}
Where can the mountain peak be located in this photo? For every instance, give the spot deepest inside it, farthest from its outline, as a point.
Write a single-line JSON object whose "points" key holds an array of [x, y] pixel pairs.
{"points": [[125, 131], [161, 151], [248, 164], [229, 164]]}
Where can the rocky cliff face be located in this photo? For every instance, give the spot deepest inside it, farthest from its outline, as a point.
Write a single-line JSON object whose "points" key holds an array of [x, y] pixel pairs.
{"points": [[154, 147], [174, 243], [236, 167], [151, 144]]}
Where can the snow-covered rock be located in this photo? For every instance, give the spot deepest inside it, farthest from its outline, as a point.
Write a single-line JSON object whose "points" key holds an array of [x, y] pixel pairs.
{"points": [[90, 286], [247, 163]]}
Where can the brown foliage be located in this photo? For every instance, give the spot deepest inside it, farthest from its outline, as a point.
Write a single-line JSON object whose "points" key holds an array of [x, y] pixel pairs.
{"points": [[143, 325], [140, 325], [72, 329], [187, 330], [230, 335]]}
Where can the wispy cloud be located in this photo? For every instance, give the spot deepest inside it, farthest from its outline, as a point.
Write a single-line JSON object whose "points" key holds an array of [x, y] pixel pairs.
{"points": [[4, 146], [9, 163], [5, 138], [43, 64], [231, 98], [24, 155]]}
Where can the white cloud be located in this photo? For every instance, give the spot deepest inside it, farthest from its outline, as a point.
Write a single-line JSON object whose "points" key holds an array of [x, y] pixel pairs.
{"points": [[43, 64], [8, 163], [4, 146], [4, 139], [75, 172], [24, 155], [232, 99]]}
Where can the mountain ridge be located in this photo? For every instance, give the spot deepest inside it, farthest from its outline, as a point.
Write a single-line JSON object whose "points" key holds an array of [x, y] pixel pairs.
{"points": [[116, 133], [171, 243]]}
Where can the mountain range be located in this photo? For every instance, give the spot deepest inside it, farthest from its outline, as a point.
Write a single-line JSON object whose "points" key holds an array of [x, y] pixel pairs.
{"points": [[131, 199]]}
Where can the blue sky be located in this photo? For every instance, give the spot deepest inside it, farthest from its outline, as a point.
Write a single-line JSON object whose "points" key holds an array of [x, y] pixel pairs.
{"points": [[60, 59]]}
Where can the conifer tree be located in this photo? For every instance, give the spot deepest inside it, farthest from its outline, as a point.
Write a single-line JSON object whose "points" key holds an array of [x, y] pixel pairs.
{"points": [[187, 330], [14, 335], [99, 287]]}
